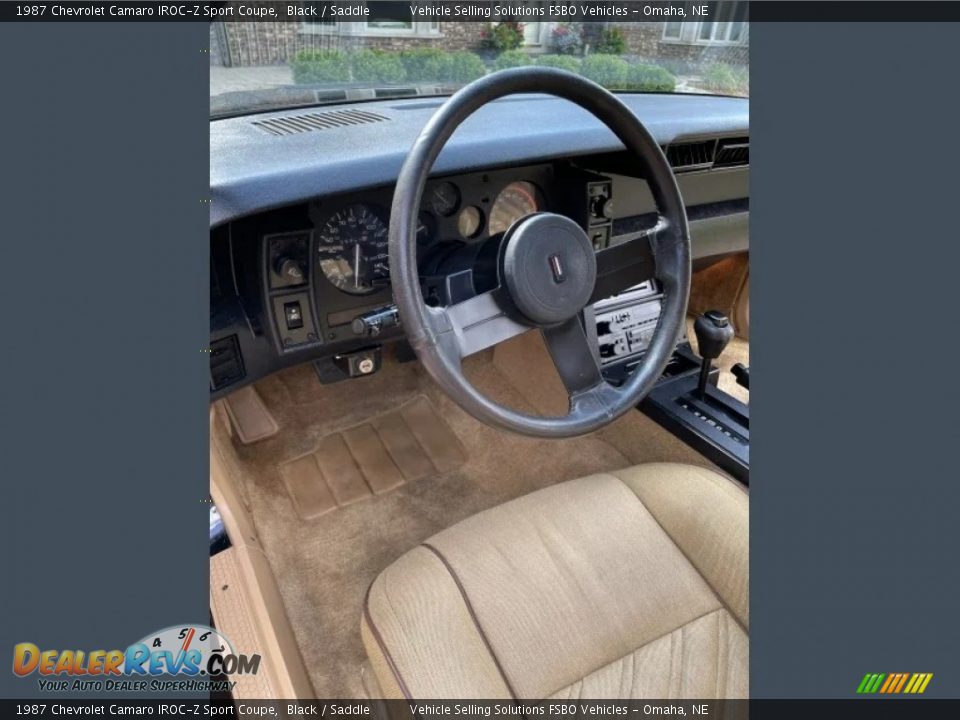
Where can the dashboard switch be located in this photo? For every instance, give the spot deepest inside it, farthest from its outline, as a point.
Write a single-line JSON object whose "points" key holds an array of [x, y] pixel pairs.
{"points": [[290, 271], [359, 363], [287, 259], [601, 207], [293, 315], [373, 323]]}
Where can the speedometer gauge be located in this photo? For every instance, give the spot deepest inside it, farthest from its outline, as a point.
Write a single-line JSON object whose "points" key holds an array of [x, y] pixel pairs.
{"points": [[352, 248], [515, 201]]}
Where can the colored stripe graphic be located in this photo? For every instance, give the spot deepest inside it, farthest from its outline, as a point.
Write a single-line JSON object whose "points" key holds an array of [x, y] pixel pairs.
{"points": [[894, 683]]}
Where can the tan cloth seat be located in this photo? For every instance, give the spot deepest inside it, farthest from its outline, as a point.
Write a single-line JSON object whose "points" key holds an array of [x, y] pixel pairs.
{"points": [[630, 584]]}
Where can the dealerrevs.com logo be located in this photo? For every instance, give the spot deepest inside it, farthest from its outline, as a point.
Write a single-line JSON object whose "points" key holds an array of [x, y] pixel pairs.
{"points": [[202, 658]]}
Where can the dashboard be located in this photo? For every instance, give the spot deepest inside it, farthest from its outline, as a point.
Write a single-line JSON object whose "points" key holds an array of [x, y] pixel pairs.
{"points": [[308, 278]]}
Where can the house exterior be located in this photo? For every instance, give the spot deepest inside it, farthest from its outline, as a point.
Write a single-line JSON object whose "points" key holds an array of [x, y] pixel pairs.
{"points": [[390, 26], [726, 42]]}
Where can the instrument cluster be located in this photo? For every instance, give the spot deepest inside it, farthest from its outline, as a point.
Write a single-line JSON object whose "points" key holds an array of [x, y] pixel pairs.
{"points": [[325, 264], [351, 237]]}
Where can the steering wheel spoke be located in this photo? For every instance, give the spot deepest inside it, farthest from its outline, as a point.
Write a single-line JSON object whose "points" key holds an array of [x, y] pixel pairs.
{"points": [[573, 356], [483, 321], [630, 262]]}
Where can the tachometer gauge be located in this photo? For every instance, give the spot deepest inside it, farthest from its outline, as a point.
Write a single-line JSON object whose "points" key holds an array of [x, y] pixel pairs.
{"points": [[515, 201], [352, 248]]}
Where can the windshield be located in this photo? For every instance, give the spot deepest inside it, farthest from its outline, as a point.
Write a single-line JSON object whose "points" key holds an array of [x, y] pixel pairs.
{"points": [[259, 66]]}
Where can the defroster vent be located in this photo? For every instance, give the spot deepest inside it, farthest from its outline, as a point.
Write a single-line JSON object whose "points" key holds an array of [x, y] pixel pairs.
{"points": [[311, 122]]}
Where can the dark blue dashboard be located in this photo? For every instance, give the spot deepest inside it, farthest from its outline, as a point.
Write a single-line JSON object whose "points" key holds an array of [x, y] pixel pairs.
{"points": [[280, 181], [256, 165]]}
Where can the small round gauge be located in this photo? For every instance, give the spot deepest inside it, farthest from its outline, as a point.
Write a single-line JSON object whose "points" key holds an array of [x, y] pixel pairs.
{"points": [[352, 249], [445, 199], [470, 222], [515, 201]]}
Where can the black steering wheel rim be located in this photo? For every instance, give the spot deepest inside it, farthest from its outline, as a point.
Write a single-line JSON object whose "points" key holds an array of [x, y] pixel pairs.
{"points": [[440, 337]]}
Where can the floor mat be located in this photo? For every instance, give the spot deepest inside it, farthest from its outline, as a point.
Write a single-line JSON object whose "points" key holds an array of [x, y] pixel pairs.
{"points": [[405, 445], [324, 565]]}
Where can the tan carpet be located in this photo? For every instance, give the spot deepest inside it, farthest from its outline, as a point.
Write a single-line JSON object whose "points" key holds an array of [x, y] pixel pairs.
{"points": [[324, 565], [718, 287]]}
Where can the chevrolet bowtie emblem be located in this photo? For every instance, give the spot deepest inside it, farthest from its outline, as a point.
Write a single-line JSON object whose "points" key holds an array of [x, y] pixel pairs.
{"points": [[557, 268]]}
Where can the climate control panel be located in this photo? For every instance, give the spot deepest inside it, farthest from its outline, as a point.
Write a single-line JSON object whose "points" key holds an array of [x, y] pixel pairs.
{"points": [[626, 322]]}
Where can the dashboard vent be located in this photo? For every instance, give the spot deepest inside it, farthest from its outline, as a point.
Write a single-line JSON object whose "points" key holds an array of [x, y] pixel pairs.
{"points": [[691, 155], [706, 154], [226, 364], [732, 152], [310, 122]]}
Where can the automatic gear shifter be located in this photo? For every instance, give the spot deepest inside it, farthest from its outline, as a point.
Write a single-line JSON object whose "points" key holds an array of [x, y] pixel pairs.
{"points": [[713, 331], [715, 424]]}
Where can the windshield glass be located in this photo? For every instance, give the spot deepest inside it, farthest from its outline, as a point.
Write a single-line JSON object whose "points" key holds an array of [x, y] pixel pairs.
{"points": [[258, 66]]}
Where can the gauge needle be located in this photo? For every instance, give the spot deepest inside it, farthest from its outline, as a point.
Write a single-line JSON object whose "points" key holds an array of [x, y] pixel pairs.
{"points": [[356, 265]]}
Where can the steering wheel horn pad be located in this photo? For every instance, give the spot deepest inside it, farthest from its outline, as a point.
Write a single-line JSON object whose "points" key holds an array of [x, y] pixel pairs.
{"points": [[549, 268]]}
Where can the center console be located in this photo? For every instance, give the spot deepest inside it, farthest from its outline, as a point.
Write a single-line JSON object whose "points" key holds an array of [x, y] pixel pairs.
{"points": [[622, 327], [686, 400]]}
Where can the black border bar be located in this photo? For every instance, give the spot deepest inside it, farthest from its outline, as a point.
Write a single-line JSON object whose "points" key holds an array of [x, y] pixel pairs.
{"points": [[587, 11]]}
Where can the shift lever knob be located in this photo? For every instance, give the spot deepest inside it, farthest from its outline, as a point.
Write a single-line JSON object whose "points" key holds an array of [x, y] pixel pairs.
{"points": [[714, 332]]}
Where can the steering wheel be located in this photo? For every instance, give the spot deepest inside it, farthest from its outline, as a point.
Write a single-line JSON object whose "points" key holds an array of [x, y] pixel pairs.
{"points": [[549, 271]]}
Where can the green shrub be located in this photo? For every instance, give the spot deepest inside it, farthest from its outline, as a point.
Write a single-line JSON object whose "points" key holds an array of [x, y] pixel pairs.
{"points": [[462, 67], [503, 35], [317, 66], [677, 67], [421, 63], [567, 38], [377, 67], [649, 78], [723, 78], [607, 70], [458, 67], [511, 59], [612, 41], [564, 62]]}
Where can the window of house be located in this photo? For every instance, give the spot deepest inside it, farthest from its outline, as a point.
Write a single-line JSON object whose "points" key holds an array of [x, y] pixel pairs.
{"points": [[729, 27], [671, 30], [721, 32], [389, 16]]}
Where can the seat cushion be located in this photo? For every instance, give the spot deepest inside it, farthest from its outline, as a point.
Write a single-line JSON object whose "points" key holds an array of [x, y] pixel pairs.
{"points": [[625, 584]]}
